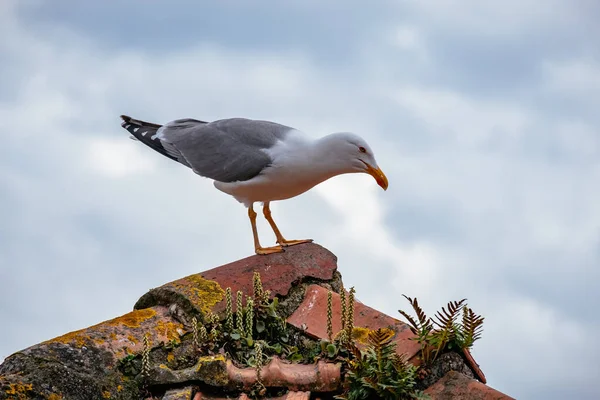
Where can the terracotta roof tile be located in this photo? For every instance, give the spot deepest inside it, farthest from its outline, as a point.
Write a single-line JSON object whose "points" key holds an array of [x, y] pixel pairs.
{"points": [[179, 394], [95, 355], [281, 271], [288, 396], [312, 314], [455, 385], [124, 335]]}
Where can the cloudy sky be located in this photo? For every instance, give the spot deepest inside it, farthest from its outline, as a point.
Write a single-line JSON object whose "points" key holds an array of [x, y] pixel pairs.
{"points": [[483, 114]]}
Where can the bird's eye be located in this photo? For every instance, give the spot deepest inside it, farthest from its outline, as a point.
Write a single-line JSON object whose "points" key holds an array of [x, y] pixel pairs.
{"points": [[362, 149]]}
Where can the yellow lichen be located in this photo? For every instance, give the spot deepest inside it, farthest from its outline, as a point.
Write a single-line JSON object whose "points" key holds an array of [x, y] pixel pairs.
{"points": [[119, 388], [78, 338], [19, 389], [163, 366], [133, 319], [169, 330], [170, 357], [360, 334], [203, 293], [218, 375], [106, 394], [202, 361], [54, 396]]}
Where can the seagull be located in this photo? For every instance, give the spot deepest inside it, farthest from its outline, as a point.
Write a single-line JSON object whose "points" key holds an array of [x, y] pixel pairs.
{"points": [[258, 161]]}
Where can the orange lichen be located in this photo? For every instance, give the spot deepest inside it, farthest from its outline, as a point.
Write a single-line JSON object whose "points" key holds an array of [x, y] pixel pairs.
{"points": [[169, 330], [133, 339], [170, 357], [54, 396], [99, 340], [202, 293], [119, 388], [133, 319], [19, 390], [78, 338]]}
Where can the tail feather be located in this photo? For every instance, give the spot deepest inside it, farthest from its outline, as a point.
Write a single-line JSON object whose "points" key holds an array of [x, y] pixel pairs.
{"points": [[145, 132]]}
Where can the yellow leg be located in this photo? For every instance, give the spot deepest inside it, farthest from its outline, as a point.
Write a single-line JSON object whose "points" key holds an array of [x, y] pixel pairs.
{"points": [[257, 247], [280, 239]]}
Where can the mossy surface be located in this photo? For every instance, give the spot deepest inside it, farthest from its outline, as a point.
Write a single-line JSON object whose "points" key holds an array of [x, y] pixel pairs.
{"points": [[202, 293], [133, 319], [57, 371], [94, 334], [193, 295], [169, 329]]}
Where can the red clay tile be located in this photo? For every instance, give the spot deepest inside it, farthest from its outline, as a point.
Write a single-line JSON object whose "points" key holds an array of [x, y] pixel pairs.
{"points": [[474, 366], [217, 371], [312, 314], [298, 396], [288, 396], [178, 394], [455, 385], [125, 334], [319, 377], [279, 272]]}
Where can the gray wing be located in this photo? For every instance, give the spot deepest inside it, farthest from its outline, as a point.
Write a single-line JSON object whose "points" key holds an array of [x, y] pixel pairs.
{"points": [[226, 150]]}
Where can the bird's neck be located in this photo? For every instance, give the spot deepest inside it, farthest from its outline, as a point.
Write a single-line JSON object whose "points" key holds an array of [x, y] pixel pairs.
{"points": [[324, 158]]}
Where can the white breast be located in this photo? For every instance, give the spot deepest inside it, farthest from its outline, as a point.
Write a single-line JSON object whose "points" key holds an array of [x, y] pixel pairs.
{"points": [[292, 172]]}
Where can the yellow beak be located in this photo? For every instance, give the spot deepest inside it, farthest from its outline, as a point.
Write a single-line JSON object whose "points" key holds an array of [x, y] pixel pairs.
{"points": [[379, 176]]}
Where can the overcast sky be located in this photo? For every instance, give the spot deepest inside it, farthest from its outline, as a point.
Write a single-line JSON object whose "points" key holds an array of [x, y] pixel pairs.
{"points": [[483, 114]]}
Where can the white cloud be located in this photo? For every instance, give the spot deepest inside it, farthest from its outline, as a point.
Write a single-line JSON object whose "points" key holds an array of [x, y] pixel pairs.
{"points": [[506, 18], [115, 158], [452, 116], [580, 77]]}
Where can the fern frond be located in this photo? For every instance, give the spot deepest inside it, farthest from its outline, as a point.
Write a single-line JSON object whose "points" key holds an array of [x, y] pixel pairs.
{"points": [[472, 326], [424, 324], [445, 318], [412, 324], [380, 337]]}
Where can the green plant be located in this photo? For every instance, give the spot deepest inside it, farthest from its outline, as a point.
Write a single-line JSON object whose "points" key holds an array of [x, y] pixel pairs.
{"points": [[350, 315], [255, 320], [378, 371], [329, 317], [451, 333], [228, 310], [146, 357]]}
